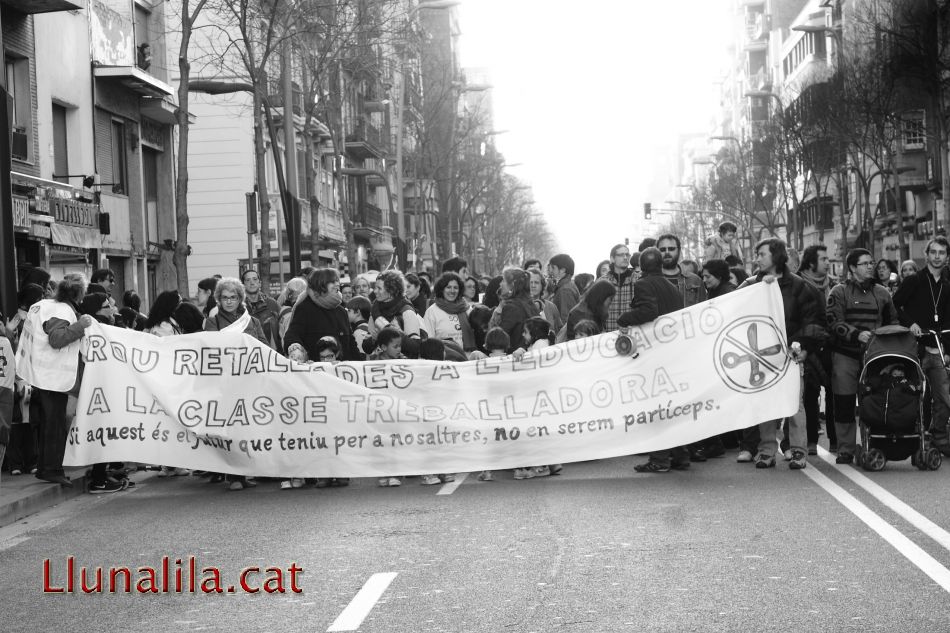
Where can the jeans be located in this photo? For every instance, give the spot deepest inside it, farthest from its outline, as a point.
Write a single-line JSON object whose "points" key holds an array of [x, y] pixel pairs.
{"points": [[797, 435], [48, 411], [933, 368]]}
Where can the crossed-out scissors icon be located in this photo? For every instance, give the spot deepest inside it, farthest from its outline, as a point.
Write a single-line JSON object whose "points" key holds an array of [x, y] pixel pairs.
{"points": [[753, 355]]}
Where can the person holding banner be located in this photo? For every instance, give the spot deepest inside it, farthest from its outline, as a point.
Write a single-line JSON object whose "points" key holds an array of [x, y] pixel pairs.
{"points": [[319, 312], [654, 296], [447, 318], [803, 325], [48, 360], [231, 313]]}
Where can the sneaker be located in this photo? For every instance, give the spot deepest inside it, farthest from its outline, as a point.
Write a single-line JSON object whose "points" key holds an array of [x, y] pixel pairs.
{"points": [[105, 487], [844, 458], [556, 469], [651, 467], [179, 472], [389, 482], [382, 483], [787, 454], [744, 457], [447, 479], [524, 473], [296, 482], [761, 461], [812, 449], [215, 478], [697, 455], [165, 472], [236, 485], [716, 450], [799, 460], [340, 482], [542, 471], [485, 475], [394, 482], [430, 480], [324, 482], [285, 485], [16, 471]]}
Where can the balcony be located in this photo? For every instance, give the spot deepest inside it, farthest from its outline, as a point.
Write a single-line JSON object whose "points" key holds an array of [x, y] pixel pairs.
{"points": [[30, 7], [761, 26], [366, 141]]}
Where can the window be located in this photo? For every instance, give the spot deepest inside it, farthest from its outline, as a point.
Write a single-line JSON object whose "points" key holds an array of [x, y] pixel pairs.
{"points": [[913, 130], [60, 145], [150, 174], [119, 167], [18, 86]]}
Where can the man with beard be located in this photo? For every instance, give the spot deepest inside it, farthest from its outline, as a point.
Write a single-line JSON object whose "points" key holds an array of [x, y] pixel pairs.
{"points": [[814, 270], [653, 297], [622, 277], [923, 304], [689, 285]]}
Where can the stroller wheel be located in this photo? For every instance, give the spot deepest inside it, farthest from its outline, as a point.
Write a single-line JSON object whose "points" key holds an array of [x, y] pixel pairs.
{"points": [[919, 460], [934, 458], [874, 460]]}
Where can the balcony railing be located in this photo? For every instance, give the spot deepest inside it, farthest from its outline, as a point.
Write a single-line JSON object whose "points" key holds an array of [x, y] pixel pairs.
{"points": [[366, 141]]}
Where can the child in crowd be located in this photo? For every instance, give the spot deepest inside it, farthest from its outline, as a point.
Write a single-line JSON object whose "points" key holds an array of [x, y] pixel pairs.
{"points": [[328, 350], [388, 347], [584, 328], [434, 349], [496, 344], [358, 310], [537, 336]]}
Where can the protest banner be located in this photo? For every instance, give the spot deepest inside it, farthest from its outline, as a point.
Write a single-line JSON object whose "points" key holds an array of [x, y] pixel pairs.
{"points": [[222, 401]]}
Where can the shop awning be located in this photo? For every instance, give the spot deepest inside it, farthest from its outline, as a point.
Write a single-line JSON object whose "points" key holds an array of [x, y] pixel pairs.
{"points": [[76, 236]]}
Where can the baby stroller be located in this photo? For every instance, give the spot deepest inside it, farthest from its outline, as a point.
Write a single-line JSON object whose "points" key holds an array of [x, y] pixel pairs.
{"points": [[890, 403]]}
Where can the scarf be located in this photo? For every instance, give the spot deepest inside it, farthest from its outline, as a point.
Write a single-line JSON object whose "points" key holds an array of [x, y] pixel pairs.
{"points": [[460, 308], [390, 309], [822, 282], [236, 321], [328, 301]]}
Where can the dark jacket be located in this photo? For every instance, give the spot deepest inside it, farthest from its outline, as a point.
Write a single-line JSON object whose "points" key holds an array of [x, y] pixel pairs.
{"points": [[653, 295], [724, 288], [310, 323], [689, 285], [804, 314], [266, 310], [579, 313], [915, 301], [514, 312], [854, 308], [565, 296]]}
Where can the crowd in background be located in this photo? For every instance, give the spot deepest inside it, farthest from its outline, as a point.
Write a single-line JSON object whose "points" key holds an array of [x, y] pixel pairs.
{"points": [[455, 316]]}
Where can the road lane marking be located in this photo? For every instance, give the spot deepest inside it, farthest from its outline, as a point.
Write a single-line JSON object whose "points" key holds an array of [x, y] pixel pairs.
{"points": [[924, 561], [362, 603], [906, 512], [450, 487]]}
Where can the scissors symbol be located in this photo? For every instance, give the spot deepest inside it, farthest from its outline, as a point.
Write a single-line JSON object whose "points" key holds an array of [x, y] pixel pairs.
{"points": [[753, 355]]}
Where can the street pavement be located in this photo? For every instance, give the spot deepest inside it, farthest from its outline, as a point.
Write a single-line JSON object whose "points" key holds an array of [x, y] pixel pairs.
{"points": [[721, 547]]}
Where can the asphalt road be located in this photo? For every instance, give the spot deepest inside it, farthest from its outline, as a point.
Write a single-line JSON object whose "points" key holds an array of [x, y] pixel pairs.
{"points": [[722, 547]]}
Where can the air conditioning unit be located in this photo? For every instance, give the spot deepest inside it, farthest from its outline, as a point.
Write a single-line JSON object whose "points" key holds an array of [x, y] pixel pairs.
{"points": [[19, 144]]}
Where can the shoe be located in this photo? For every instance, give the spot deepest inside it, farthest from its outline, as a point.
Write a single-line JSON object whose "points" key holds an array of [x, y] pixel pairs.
{"points": [[542, 471], [447, 479], [651, 467], [679, 465], [556, 469], [236, 485], [165, 472], [761, 461], [389, 482], [716, 450], [285, 485], [799, 460], [524, 473], [179, 472], [744, 457], [62, 480], [216, 478], [844, 458], [485, 475], [324, 482], [296, 482], [105, 487], [812, 449], [16, 471], [787, 454], [430, 480], [340, 482], [697, 455], [33, 471]]}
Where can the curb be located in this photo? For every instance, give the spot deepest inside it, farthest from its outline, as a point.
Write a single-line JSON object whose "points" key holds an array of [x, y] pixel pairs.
{"points": [[23, 500]]}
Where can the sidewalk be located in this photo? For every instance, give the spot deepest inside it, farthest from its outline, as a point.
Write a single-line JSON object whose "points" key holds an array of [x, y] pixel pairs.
{"points": [[23, 495]]}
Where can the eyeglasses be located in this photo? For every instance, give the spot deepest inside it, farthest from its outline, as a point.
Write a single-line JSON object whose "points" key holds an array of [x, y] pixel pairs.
{"points": [[865, 264], [228, 299], [668, 249]]}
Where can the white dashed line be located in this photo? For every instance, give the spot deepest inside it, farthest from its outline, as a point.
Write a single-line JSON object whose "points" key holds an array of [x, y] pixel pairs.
{"points": [[362, 603], [450, 487]]}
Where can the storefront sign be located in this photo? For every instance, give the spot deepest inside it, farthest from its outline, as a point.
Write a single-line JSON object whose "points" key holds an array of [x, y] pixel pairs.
{"points": [[75, 212], [38, 229], [21, 213]]}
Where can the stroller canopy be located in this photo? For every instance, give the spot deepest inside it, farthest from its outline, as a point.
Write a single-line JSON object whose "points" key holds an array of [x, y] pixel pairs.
{"points": [[892, 341]]}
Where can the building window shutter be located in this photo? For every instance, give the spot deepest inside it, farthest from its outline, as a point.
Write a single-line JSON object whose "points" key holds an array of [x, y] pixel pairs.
{"points": [[104, 146]]}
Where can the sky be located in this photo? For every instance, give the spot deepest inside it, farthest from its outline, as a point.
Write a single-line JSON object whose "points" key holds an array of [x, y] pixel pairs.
{"points": [[591, 94]]}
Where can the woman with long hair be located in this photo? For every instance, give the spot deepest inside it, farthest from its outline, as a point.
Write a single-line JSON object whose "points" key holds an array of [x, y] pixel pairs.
{"points": [[885, 274], [161, 316], [204, 299], [593, 306], [447, 318], [546, 307], [517, 306]]}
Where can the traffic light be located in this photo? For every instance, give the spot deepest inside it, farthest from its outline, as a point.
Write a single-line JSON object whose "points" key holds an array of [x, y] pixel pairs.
{"points": [[647, 211]]}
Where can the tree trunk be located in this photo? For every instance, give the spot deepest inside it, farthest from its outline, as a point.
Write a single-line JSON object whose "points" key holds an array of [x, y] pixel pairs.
{"points": [[260, 153]]}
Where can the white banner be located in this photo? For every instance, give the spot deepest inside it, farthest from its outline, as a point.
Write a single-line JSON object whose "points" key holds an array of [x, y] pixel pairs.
{"points": [[221, 401]]}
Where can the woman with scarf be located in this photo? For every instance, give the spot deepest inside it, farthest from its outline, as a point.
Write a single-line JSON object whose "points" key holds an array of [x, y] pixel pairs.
{"points": [[391, 308], [516, 307], [447, 318], [230, 314], [319, 312]]}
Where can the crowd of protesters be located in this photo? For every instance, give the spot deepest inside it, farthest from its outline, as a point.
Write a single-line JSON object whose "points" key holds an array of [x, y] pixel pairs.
{"points": [[457, 317]]}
